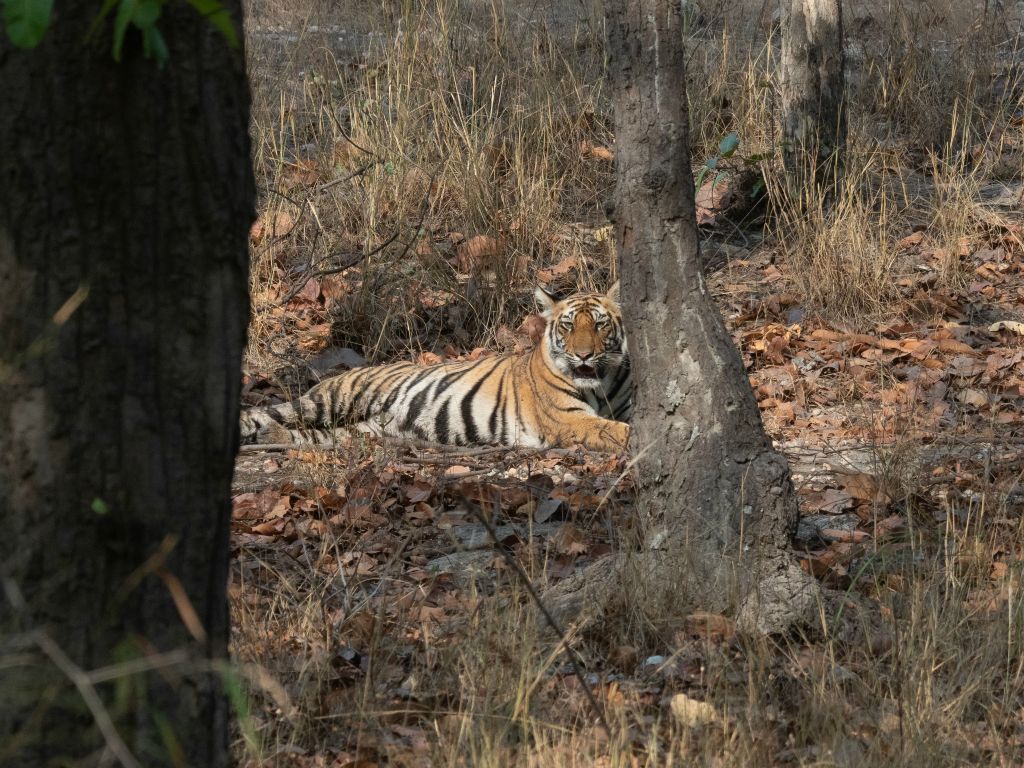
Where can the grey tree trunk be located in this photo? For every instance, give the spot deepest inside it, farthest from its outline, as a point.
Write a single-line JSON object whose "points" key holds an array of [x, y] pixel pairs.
{"points": [[813, 95], [127, 189], [708, 475]]}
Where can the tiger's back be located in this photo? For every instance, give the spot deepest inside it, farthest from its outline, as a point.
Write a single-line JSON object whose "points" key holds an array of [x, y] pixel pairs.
{"points": [[567, 390]]}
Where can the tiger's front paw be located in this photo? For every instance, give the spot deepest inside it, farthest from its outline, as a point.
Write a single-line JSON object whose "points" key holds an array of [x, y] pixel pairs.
{"points": [[610, 436]]}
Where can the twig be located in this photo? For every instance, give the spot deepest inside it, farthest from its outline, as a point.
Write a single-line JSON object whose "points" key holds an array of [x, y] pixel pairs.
{"points": [[137, 666], [424, 209], [465, 475], [515, 565], [301, 205], [92, 700], [343, 179], [431, 461], [350, 262]]}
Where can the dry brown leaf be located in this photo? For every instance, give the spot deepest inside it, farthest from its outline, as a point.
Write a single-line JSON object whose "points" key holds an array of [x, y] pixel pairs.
{"points": [[911, 240], [890, 525], [596, 151], [952, 346], [344, 152], [360, 563], [568, 540], [862, 486], [254, 506], [715, 194], [281, 507], [562, 268], [710, 625], [830, 500], [1009, 325], [428, 358], [418, 492], [974, 397], [305, 172], [476, 253], [269, 529], [271, 224], [849, 537], [690, 713]]}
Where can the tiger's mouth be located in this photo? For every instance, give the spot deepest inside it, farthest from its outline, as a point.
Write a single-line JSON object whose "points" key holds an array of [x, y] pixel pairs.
{"points": [[585, 372]]}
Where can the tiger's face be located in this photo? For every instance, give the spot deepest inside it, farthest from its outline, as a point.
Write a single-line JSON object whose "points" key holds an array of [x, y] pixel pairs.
{"points": [[584, 335]]}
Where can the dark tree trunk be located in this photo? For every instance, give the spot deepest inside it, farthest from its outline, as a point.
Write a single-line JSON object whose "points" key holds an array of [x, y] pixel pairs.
{"points": [[716, 489], [119, 419], [813, 95]]}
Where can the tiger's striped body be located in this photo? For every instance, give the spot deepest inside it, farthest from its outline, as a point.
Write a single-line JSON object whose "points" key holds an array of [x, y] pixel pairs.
{"points": [[573, 387]]}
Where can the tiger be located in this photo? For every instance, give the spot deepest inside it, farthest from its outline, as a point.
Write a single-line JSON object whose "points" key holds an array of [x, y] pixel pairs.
{"points": [[573, 387]]}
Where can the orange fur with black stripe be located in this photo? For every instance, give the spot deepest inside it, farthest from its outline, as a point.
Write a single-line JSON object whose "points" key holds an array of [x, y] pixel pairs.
{"points": [[573, 387]]}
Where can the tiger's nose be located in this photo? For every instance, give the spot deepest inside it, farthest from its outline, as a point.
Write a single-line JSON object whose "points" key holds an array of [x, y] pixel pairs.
{"points": [[584, 356]]}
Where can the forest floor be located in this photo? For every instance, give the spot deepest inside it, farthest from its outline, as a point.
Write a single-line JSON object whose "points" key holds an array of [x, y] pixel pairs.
{"points": [[377, 619]]}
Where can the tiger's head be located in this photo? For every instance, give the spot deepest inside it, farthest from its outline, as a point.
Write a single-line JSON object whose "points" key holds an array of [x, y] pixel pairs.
{"points": [[584, 338]]}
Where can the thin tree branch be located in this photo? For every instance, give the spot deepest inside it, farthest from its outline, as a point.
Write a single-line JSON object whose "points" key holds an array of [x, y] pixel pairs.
{"points": [[87, 691], [350, 262], [516, 566]]}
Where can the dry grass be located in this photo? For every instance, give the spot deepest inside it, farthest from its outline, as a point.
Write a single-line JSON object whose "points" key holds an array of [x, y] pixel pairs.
{"points": [[469, 117], [842, 256], [450, 128]]}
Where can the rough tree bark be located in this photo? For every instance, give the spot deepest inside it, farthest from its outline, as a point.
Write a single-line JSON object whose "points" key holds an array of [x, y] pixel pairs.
{"points": [[813, 95], [707, 471], [119, 418]]}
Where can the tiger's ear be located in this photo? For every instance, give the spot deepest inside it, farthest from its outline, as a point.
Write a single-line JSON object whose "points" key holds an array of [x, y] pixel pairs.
{"points": [[613, 293], [545, 301]]}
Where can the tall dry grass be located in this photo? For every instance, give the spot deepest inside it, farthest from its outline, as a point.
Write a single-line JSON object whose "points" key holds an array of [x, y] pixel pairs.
{"points": [[449, 122]]}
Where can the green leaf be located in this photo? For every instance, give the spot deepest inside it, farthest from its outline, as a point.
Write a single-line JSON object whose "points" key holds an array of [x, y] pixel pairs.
{"points": [[99, 506], [125, 12], [146, 14], [153, 45], [170, 739], [26, 21], [239, 700], [389, 168], [729, 144], [712, 163], [105, 9], [218, 17]]}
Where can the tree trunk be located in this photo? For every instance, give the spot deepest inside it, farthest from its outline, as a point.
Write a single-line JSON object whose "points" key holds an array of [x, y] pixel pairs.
{"points": [[708, 475], [128, 189], [813, 95]]}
